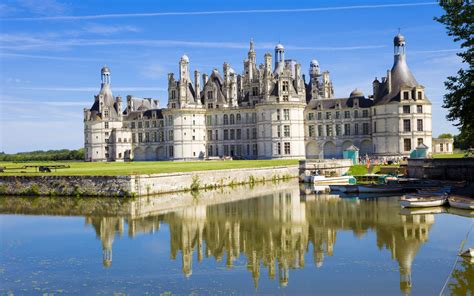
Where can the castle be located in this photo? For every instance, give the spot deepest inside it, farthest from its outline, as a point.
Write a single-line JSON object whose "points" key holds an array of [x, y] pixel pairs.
{"points": [[269, 111]]}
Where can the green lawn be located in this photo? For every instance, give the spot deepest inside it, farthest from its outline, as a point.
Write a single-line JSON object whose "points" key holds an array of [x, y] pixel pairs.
{"points": [[454, 155], [132, 168]]}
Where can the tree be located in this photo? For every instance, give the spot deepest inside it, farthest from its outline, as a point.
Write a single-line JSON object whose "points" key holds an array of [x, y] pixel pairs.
{"points": [[459, 100], [445, 136]]}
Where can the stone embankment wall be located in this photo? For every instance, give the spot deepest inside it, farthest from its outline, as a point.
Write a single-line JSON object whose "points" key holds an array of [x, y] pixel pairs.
{"points": [[442, 168], [139, 185]]}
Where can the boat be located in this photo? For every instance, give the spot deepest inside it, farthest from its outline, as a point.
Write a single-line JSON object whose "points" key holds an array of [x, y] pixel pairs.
{"points": [[422, 200], [461, 202], [435, 190], [345, 188], [469, 252], [376, 188], [330, 180]]}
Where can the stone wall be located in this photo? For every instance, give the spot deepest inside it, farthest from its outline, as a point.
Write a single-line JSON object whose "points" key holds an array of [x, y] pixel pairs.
{"points": [[139, 185], [442, 168]]}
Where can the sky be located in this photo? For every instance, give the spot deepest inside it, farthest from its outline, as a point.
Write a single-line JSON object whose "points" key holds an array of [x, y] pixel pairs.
{"points": [[51, 52]]}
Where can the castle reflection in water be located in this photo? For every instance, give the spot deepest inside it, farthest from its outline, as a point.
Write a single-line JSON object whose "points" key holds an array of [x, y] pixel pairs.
{"points": [[274, 230]]}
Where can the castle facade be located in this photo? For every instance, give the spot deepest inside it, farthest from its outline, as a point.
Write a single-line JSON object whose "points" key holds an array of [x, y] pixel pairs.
{"points": [[269, 111]]}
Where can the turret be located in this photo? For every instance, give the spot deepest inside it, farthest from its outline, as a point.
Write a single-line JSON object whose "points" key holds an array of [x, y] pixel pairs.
{"points": [[313, 69], [279, 54], [197, 84], [375, 87], [268, 64], [119, 107]]}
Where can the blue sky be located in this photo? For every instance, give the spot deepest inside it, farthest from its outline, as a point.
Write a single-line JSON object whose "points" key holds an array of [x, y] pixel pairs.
{"points": [[51, 52]]}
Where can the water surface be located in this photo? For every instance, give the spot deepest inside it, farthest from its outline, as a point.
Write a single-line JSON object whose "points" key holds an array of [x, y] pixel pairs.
{"points": [[268, 239]]}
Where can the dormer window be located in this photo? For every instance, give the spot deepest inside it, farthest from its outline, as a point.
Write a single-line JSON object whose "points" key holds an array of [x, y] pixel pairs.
{"points": [[173, 94], [209, 95], [419, 95], [406, 95], [106, 113], [285, 85], [254, 91]]}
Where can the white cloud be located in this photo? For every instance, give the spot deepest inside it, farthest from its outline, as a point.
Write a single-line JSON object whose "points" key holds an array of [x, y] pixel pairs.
{"points": [[45, 7], [250, 11], [109, 29], [92, 89]]}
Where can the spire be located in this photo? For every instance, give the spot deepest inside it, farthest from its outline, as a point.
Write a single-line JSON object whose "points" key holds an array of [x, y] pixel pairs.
{"points": [[251, 54]]}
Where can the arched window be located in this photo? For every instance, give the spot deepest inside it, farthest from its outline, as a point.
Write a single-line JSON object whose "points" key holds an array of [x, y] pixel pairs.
{"points": [[232, 119], [238, 118], [226, 119]]}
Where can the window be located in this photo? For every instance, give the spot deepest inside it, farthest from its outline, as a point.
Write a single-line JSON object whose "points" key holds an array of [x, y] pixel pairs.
{"points": [[320, 131], [226, 149], [328, 115], [356, 129], [238, 118], [133, 124], [365, 128], [375, 126], [286, 114], [419, 96], [254, 91], [106, 113], [209, 150], [279, 131], [239, 134], [140, 137], [406, 95], [347, 114], [209, 95], [310, 116], [254, 133], [406, 125], [285, 86], [420, 141], [147, 124], [248, 134], [419, 109], [286, 130], [210, 105], [287, 148], [356, 114], [419, 125], [338, 129], [154, 123], [226, 119], [226, 134], [278, 114], [209, 135], [232, 119], [170, 135], [338, 114], [407, 144], [285, 98], [347, 129], [441, 147], [329, 130], [106, 124], [278, 148], [374, 111], [173, 105], [365, 113], [170, 151], [147, 137], [311, 131], [406, 109], [216, 135], [320, 115], [209, 120], [140, 124]]}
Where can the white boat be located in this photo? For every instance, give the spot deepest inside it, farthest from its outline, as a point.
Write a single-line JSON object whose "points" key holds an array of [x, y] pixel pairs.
{"points": [[461, 202], [329, 180], [468, 253], [422, 200], [379, 188]]}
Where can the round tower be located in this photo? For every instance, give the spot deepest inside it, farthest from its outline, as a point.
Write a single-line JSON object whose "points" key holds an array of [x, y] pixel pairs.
{"points": [[279, 54]]}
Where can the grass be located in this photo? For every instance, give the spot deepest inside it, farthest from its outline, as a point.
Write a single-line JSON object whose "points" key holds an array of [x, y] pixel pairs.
{"points": [[454, 155], [79, 168]]}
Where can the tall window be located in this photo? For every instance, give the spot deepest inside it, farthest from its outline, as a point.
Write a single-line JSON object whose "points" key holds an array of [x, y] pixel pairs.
{"points": [[347, 129], [406, 109], [320, 131], [419, 96], [329, 130], [278, 148], [441, 147], [365, 128], [106, 113], [106, 124], [356, 129], [232, 134], [419, 125], [239, 134], [209, 135], [285, 86], [216, 135], [286, 130], [310, 116], [328, 115], [232, 119], [419, 109], [407, 144], [287, 148], [338, 114], [356, 114], [365, 113], [406, 125], [375, 126], [278, 114], [338, 129], [320, 115], [311, 131], [286, 114], [238, 118], [406, 95], [254, 91], [226, 134], [347, 114], [226, 119], [209, 95], [279, 131], [209, 120]]}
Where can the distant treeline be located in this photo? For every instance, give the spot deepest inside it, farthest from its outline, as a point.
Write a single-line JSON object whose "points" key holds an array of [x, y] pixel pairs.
{"points": [[40, 155]]}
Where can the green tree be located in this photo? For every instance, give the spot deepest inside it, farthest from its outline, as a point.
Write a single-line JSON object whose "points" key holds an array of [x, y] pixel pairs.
{"points": [[445, 136], [459, 100]]}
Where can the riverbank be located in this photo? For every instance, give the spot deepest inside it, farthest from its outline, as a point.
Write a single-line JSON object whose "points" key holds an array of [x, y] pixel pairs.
{"points": [[139, 185]]}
